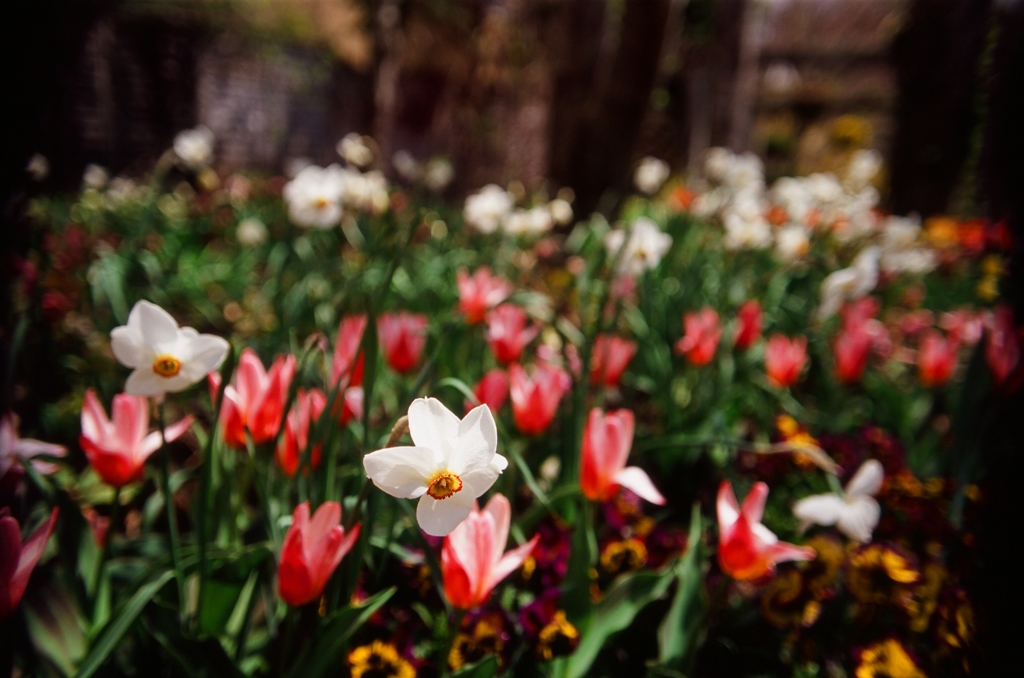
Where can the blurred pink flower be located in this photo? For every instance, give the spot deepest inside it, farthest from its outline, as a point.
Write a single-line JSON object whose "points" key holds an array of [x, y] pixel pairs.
{"points": [[507, 332], [535, 401], [700, 340], [480, 293], [402, 337]]}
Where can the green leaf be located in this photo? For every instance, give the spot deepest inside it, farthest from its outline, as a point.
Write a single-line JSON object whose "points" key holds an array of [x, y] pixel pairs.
{"points": [[678, 632], [123, 620], [335, 631], [582, 556], [615, 612], [55, 625], [218, 604], [485, 668]]}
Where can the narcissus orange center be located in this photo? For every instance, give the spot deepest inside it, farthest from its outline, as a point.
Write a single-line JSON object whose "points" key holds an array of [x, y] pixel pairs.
{"points": [[166, 365], [444, 485]]}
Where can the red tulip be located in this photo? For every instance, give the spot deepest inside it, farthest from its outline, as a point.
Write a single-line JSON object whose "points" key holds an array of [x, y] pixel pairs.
{"points": [[256, 399], [480, 293], [1002, 349], [746, 548], [748, 329], [472, 562], [936, 358], [852, 349], [311, 552], [402, 336], [610, 358], [507, 332], [117, 448], [606, 444], [535, 401], [700, 340], [963, 325], [344, 364], [307, 408], [491, 390], [17, 559], [784, 359]]}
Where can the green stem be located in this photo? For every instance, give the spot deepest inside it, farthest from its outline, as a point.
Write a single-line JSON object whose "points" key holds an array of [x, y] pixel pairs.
{"points": [[173, 540], [453, 633], [105, 549]]}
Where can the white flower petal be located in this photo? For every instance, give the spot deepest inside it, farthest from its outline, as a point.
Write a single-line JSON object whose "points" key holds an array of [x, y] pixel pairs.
{"points": [[401, 471], [867, 480], [157, 325], [206, 353], [438, 517], [127, 346], [476, 441], [635, 479], [859, 518], [145, 382], [432, 425], [820, 509], [478, 480]]}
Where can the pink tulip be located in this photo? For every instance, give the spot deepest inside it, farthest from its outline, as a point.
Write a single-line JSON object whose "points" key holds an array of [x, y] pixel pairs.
{"points": [[851, 349], [936, 358], [963, 325], [306, 409], [610, 358], [255, 401], [402, 337], [311, 552], [507, 332], [344, 365], [700, 338], [13, 448], [472, 562], [480, 293], [749, 319], [784, 359], [491, 390], [606, 444], [17, 559], [117, 448], [746, 548], [535, 401]]}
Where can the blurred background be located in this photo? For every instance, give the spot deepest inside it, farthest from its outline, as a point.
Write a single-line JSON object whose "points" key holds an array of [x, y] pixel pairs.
{"points": [[567, 91]]}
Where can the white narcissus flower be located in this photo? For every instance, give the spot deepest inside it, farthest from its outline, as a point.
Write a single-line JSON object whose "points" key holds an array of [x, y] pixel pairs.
{"points": [[165, 358], [533, 221], [314, 196], [650, 175], [792, 243], [194, 147], [355, 150], [849, 283], [486, 208], [855, 513], [643, 250], [95, 177], [451, 463], [438, 173]]}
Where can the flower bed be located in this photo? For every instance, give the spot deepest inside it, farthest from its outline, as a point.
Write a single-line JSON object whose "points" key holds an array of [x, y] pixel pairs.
{"points": [[733, 433]]}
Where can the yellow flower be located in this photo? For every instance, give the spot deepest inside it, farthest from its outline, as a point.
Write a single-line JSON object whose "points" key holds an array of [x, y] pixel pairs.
{"points": [[558, 638], [879, 574], [942, 231], [623, 556], [487, 636], [379, 659], [887, 659]]}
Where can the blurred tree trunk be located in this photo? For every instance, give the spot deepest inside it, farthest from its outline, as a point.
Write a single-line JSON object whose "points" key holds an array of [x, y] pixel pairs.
{"points": [[604, 70]]}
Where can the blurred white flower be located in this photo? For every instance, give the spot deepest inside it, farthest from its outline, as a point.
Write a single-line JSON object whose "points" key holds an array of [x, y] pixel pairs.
{"points": [[792, 243], [851, 283], [650, 175], [533, 221], [452, 463], [824, 188], [355, 151], [485, 209], [95, 177], [742, 233], [38, 167], [561, 211], [901, 248], [438, 174], [194, 147], [792, 194], [13, 448], [781, 77], [642, 251], [122, 190], [864, 166], [708, 203], [251, 232], [718, 164], [367, 192], [314, 196], [855, 513], [165, 358], [407, 166]]}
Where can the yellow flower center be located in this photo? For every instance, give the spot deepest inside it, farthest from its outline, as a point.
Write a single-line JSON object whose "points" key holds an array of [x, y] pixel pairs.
{"points": [[166, 365], [320, 203], [444, 485]]}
